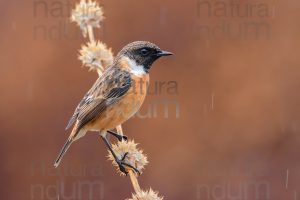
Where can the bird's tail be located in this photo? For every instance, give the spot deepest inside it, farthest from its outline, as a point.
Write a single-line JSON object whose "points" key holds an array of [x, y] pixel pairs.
{"points": [[63, 151], [75, 135]]}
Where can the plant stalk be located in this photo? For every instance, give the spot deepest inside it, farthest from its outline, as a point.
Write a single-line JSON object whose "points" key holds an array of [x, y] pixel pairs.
{"points": [[133, 178], [134, 182], [91, 34]]}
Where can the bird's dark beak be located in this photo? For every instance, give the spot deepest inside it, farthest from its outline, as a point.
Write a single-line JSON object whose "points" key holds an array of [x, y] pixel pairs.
{"points": [[164, 53]]}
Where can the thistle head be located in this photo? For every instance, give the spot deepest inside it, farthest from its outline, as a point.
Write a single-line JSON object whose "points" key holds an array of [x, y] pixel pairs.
{"points": [[134, 157], [146, 195], [96, 56], [87, 13]]}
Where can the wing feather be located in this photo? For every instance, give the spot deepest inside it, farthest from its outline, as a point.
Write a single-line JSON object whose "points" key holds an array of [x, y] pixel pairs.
{"points": [[106, 91]]}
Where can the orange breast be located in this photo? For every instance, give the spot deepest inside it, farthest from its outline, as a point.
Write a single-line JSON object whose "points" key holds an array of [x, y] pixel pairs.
{"points": [[127, 106]]}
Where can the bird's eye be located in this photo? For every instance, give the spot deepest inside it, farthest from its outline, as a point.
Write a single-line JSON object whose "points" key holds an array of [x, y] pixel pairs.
{"points": [[145, 52]]}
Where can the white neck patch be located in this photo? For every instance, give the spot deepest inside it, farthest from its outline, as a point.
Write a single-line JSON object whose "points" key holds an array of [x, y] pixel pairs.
{"points": [[136, 69]]}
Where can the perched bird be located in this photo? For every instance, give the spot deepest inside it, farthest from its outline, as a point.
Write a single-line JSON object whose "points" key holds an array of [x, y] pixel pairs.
{"points": [[115, 97]]}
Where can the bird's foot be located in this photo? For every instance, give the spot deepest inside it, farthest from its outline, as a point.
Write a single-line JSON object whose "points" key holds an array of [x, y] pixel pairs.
{"points": [[123, 165], [124, 137], [118, 136]]}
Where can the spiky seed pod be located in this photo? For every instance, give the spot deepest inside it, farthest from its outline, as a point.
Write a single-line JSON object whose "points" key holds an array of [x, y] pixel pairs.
{"points": [[146, 195], [96, 56], [87, 13], [135, 156]]}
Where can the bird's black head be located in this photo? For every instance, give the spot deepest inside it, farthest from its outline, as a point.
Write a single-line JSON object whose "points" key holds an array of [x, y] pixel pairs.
{"points": [[143, 53]]}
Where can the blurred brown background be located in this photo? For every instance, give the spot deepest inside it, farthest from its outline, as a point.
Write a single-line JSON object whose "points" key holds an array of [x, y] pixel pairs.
{"points": [[234, 135]]}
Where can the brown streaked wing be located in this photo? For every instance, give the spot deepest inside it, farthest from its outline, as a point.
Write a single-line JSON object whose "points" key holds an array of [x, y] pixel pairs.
{"points": [[107, 90]]}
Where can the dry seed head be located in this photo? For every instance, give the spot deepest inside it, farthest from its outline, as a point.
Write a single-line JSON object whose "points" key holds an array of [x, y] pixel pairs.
{"points": [[87, 13], [146, 195], [135, 157], [96, 56]]}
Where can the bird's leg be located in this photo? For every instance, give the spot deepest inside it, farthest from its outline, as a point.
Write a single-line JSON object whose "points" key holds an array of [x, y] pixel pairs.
{"points": [[118, 136], [120, 162]]}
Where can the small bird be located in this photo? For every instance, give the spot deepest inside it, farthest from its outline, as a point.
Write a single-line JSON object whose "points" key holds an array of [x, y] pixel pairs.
{"points": [[115, 97]]}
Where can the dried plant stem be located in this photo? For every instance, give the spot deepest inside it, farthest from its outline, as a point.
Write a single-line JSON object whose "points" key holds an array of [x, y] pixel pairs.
{"points": [[133, 178], [92, 40], [134, 182], [120, 130], [91, 34]]}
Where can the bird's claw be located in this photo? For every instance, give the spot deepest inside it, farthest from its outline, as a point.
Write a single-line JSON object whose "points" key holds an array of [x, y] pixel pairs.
{"points": [[118, 136], [123, 165], [122, 168], [124, 137], [124, 157]]}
